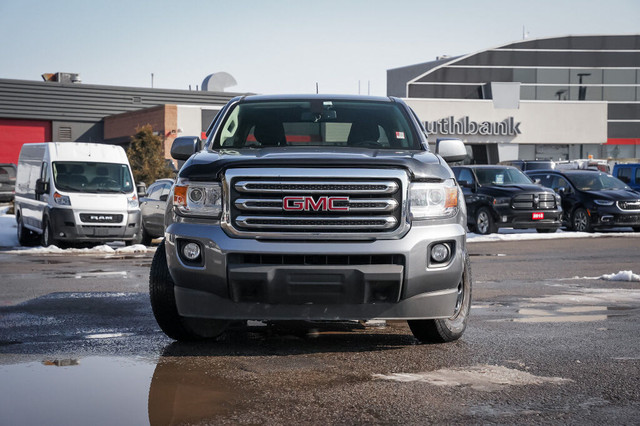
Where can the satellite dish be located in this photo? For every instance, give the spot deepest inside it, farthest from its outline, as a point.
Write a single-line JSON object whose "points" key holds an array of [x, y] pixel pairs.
{"points": [[218, 82]]}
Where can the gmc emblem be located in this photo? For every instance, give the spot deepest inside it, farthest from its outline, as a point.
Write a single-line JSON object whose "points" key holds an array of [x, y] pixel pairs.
{"points": [[307, 203]]}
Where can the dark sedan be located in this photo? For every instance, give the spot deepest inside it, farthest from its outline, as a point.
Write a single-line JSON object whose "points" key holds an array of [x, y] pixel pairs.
{"points": [[152, 207], [592, 199], [502, 196]]}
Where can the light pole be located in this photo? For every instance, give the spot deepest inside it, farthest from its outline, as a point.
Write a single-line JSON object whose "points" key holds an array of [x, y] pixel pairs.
{"points": [[582, 90]]}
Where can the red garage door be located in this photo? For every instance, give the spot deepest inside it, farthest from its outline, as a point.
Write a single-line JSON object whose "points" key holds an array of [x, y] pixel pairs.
{"points": [[13, 133]]}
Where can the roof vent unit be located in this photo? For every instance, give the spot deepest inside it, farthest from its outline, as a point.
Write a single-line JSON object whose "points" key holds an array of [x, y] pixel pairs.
{"points": [[218, 82], [62, 77]]}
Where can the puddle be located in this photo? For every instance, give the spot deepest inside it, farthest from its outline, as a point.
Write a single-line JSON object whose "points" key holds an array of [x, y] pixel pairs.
{"points": [[97, 391], [114, 391], [480, 377]]}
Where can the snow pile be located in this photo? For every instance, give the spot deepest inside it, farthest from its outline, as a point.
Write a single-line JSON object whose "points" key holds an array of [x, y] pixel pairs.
{"points": [[621, 276]]}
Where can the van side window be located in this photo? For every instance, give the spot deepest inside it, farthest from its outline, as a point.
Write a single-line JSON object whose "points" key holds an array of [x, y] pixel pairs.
{"points": [[637, 174], [624, 174], [44, 172]]}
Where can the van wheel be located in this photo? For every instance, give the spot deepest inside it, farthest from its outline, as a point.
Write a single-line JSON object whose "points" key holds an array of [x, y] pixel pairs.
{"points": [[26, 237], [484, 222], [163, 305], [449, 329], [47, 238]]}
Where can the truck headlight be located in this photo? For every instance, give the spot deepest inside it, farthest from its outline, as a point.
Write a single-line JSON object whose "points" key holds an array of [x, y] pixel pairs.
{"points": [[61, 200], [429, 200], [198, 198]]}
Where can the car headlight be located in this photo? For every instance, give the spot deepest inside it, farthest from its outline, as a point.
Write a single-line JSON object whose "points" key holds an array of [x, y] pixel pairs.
{"points": [[433, 200], [603, 202], [198, 198], [499, 201]]}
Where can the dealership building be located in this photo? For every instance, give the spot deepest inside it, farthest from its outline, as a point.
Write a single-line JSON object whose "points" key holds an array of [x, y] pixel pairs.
{"points": [[555, 98], [63, 109]]}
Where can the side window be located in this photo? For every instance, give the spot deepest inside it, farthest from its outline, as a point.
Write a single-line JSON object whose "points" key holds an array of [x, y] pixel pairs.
{"points": [[166, 189], [44, 172], [154, 192], [637, 174], [465, 175], [559, 182], [624, 174]]}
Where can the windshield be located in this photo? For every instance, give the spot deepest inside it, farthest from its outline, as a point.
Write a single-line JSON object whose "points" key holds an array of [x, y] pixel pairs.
{"points": [[313, 123], [85, 176], [501, 176], [592, 181]]}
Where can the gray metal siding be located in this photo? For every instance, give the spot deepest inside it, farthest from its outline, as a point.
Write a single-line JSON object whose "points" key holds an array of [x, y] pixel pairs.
{"points": [[90, 103]]}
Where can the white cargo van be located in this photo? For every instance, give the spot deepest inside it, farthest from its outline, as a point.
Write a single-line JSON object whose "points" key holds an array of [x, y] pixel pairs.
{"points": [[69, 192]]}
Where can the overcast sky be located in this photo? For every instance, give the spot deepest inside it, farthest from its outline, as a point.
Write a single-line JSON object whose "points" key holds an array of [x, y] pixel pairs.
{"points": [[276, 46]]}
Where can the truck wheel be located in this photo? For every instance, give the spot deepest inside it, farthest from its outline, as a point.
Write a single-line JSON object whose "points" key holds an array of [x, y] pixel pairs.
{"points": [[163, 304], [449, 329], [581, 222], [47, 238], [484, 222], [26, 236]]}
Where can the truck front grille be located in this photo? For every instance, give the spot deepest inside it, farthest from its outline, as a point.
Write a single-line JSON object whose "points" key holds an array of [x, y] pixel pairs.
{"points": [[633, 205], [325, 203], [539, 201]]}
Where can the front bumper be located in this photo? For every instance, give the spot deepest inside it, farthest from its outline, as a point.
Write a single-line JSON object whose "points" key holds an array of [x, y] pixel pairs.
{"points": [[523, 219], [312, 280], [605, 216], [65, 228]]}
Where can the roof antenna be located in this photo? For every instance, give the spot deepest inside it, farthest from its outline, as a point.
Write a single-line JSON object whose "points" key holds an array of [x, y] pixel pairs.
{"points": [[316, 87]]}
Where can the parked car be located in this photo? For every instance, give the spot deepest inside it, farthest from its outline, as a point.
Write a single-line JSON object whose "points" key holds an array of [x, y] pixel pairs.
{"points": [[152, 207], [629, 174], [7, 182], [525, 165], [502, 196], [592, 199]]}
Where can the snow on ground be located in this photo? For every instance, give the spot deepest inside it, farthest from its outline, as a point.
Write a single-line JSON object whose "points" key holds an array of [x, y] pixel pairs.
{"points": [[9, 239]]}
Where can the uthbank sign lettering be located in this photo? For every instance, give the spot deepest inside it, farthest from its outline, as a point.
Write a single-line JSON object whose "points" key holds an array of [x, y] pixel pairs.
{"points": [[465, 126]]}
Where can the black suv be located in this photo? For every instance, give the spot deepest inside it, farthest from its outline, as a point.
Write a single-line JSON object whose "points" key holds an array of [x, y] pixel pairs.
{"points": [[502, 196], [592, 199]]}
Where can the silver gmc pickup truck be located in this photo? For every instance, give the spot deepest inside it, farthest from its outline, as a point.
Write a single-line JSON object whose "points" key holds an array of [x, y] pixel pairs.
{"points": [[314, 208]]}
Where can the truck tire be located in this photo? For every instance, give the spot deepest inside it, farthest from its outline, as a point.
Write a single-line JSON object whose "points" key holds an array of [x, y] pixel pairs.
{"points": [[580, 221], [47, 238], [448, 329], [163, 304], [26, 237], [484, 222]]}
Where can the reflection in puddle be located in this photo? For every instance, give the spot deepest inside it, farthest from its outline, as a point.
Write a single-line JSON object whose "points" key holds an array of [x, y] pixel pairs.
{"points": [[94, 390], [182, 391], [113, 391]]}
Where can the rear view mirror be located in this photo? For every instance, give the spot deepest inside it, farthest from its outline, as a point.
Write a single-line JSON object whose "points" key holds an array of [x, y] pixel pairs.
{"points": [[184, 147], [451, 150], [42, 187]]}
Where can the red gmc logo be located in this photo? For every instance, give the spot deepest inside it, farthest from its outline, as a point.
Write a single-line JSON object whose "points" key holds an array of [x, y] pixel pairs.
{"points": [[307, 203]]}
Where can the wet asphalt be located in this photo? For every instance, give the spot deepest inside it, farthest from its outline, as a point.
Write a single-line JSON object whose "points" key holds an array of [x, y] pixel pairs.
{"points": [[548, 342]]}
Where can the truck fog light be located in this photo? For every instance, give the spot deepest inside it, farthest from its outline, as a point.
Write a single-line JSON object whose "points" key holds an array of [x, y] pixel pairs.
{"points": [[440, 253], [191, 251]]}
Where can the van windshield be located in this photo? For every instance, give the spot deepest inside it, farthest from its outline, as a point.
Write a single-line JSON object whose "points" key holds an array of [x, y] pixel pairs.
{"points": [[86, 176]]}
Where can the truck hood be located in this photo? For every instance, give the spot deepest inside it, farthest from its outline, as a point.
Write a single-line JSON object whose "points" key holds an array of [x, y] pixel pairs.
{"points": [[510, 190], [420, 165]]}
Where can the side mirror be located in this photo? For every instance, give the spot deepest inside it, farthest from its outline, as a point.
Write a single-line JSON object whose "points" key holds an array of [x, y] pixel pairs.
{"points": [[537, 181], [164, 197], [451, 149], [42, 187], [184, 147], [141, 187], [562, 191]]}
